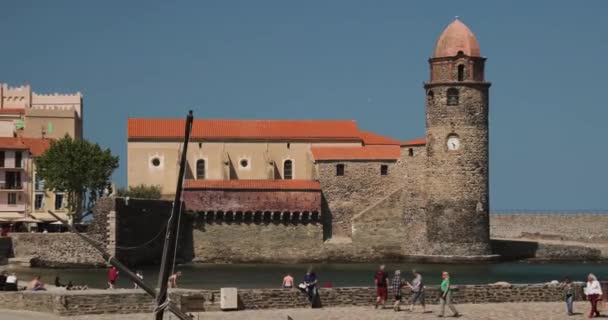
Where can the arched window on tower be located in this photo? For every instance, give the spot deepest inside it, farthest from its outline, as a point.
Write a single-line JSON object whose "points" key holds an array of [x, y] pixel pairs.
{"points": [[288, 170], [452, 97], [460, 72], [200, 169]]}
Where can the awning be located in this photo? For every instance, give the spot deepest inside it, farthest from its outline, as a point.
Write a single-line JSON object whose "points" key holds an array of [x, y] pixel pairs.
{"points": [[46, 217], [11, 216]]}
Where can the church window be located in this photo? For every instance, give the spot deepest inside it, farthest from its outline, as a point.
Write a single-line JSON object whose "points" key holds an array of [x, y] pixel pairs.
{"points": [[384, 170], [430, 96], [452, 97], [244, 163], [340, 169], [288, 170], [460, 72], [155, 162], [200, 169], [411, 152]]}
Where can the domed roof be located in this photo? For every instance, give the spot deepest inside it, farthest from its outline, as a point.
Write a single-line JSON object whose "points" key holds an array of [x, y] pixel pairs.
{"points": [[456, 37]]}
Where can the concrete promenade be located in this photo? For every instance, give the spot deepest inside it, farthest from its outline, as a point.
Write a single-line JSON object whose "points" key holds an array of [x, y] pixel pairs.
{"points": [[502, 311]]}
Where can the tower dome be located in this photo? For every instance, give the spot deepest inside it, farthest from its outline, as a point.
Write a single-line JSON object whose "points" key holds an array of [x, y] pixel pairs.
{"points": [[456, 37]]}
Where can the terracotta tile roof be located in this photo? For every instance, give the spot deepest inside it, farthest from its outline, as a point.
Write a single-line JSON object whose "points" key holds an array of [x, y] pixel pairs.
{"points": [[12, 110], [318, 130], [253, 184], [356, 153], [12, 143], [370, 138], [36, 146], [415, 142]]}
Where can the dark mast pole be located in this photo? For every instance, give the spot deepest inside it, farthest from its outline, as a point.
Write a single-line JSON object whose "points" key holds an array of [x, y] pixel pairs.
{"points": [[121, 267], [170, 238]]}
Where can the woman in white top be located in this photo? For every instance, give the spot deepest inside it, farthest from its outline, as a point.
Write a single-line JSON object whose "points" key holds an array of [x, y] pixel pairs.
{"points": [[593, 291]]}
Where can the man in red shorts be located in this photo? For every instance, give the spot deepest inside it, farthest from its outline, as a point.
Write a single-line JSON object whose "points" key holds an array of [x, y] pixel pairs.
{"points": [[381, 281]]}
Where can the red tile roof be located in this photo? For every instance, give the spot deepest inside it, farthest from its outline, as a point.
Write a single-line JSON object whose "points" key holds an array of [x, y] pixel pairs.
{"points": [[318, 130], [12, 143], [415, 142], [370, 138], [12, 110], [36, 146], [356, 153], [253, 184]]}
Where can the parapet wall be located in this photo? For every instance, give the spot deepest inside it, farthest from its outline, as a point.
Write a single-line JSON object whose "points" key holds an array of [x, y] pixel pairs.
{"points": [[575, 227], [70, 303]]}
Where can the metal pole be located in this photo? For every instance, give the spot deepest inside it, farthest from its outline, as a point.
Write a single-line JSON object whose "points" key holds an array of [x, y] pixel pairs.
{"points": [[121, 267], [171, 236]]}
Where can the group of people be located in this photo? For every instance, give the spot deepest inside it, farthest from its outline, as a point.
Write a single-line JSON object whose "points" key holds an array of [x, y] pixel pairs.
{"points": [[113, 277], [397, 283]]}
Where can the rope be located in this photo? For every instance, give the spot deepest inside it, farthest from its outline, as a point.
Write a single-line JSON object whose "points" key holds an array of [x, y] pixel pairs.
{"points": [[179, 218], [163, 306], [160, 232]]}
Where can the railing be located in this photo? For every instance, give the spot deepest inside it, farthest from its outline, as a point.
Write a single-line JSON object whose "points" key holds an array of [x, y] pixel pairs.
{"points": [[11, 186]]}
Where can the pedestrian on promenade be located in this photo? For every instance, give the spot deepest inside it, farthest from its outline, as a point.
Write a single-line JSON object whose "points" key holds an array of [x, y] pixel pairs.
{"points": [[593, 291], [397, 284], [568, 287], [140, 275], [446, 295], [417, 287], [112, 277], [173, 280], [310, 285], [288, 282], [381, 282]]}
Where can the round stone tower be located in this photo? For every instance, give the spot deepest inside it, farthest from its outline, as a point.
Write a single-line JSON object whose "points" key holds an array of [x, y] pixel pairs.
{"points": [[457, 146]]}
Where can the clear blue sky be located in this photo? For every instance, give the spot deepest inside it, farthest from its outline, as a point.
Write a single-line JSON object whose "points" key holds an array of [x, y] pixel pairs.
{"points": [[362, 60]]}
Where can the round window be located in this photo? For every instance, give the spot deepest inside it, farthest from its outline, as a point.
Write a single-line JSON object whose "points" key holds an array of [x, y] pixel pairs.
{"points": [[156, 162], [244, 163]]}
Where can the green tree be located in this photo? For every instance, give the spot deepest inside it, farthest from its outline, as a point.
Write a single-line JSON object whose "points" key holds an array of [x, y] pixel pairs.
{"points": [[79, 168], [141, 191]]}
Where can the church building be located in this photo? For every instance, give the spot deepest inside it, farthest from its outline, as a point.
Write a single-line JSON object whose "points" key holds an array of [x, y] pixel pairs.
{"points": [[369, 194]]}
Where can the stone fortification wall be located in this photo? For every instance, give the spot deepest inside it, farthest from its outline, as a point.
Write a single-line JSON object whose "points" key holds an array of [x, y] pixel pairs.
{"points": [[132, 301], [576, 227], [256, 240], [360, 186], [55, 250]]}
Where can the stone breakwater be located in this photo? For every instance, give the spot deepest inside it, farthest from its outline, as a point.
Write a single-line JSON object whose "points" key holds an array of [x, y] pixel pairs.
{"points": [[69, 303]]}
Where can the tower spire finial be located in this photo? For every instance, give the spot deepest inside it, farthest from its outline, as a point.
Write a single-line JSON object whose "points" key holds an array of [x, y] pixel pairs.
{"points": [[456, 17]]}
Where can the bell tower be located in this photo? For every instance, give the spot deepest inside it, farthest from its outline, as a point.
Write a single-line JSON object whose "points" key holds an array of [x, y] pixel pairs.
{"points": [[457, 190]]}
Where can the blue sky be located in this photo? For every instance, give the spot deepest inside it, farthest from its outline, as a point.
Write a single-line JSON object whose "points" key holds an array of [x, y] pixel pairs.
{"points": [[362, 60]]}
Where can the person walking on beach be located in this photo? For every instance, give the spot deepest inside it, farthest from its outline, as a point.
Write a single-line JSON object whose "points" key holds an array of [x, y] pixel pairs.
{"points": [[593, 291], [446, 295], [288, 282], [112, 277], [381, 282], [396, 285], [417, 291], [568, 287]]}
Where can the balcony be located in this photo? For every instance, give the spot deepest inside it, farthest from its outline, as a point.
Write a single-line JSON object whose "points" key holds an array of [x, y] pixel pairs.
{"points": [[11, 168], [11, 187]]}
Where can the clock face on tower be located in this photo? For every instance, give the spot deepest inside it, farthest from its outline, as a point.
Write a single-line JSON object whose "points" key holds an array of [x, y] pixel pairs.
{"points": [[453, 143]]}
